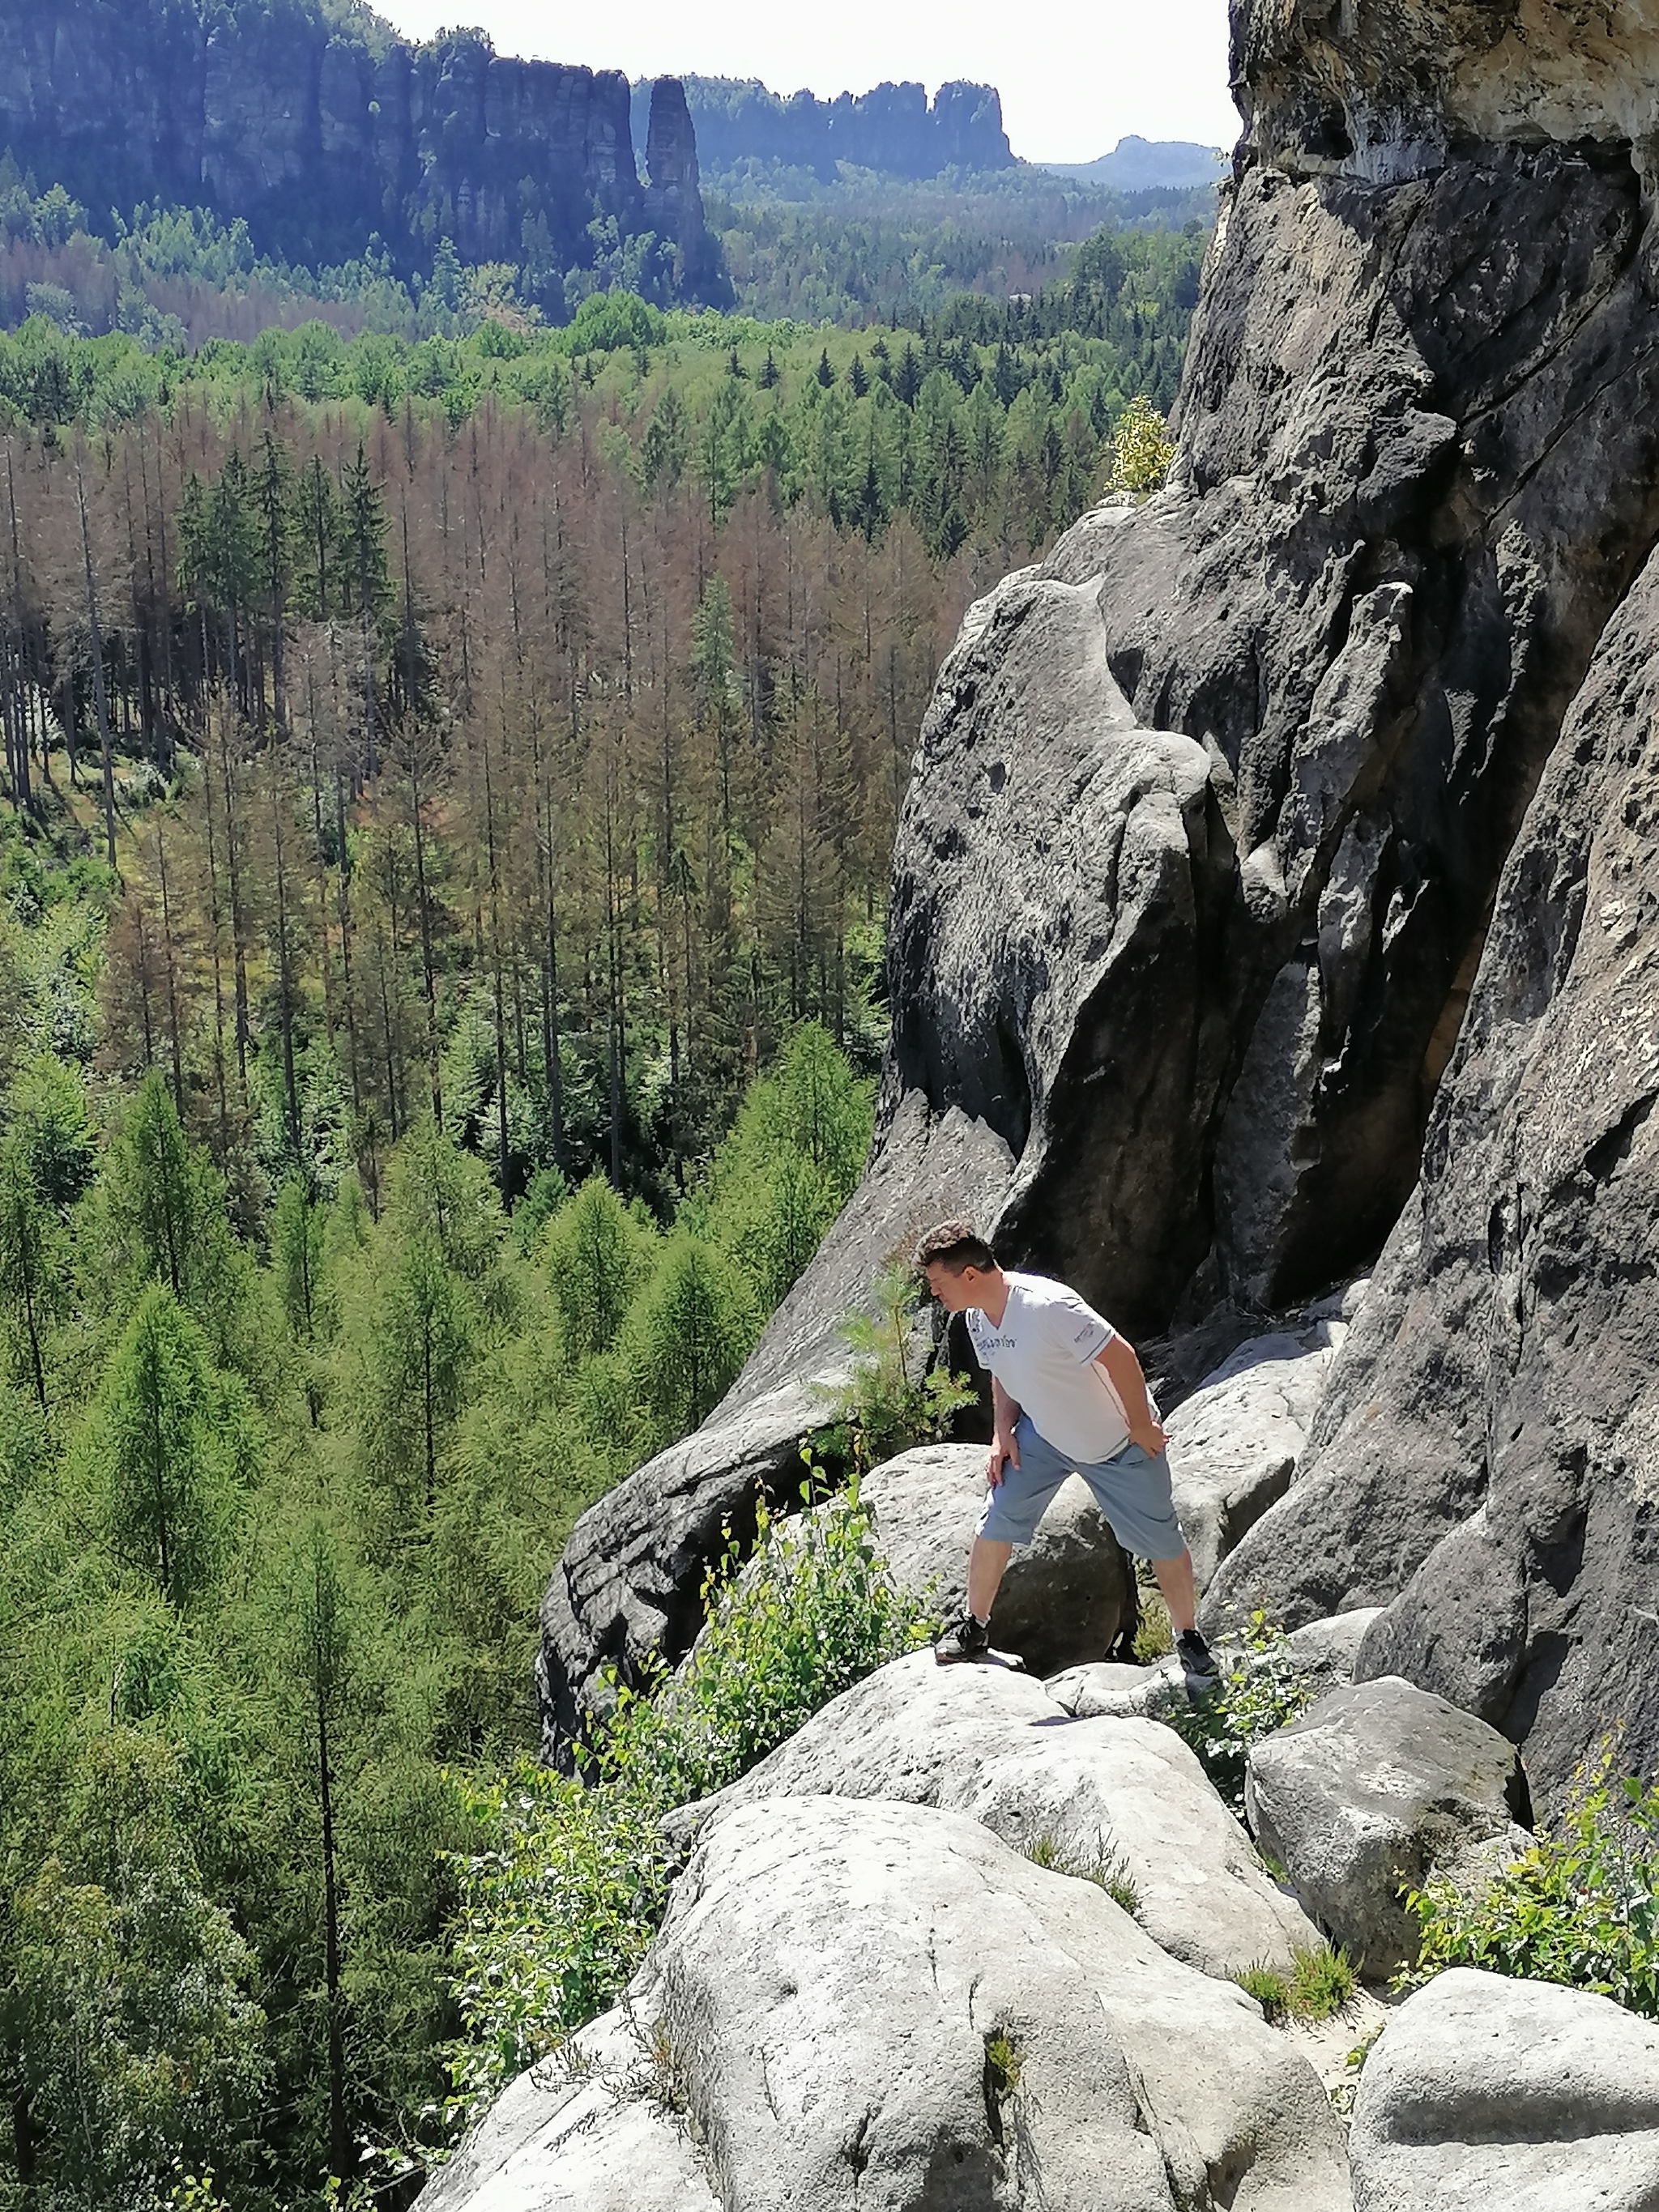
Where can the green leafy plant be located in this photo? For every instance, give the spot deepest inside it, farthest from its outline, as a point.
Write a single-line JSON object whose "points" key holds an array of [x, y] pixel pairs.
{"points": [[1581, 1907], [558, 1906], [892, 1399], [1255, 1698], [1342, 2093], [1142, 449]]}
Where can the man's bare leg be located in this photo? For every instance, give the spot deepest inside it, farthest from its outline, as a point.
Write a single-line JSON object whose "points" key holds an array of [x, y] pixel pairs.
{"points": [[986, 1564], [1175, 1582]]}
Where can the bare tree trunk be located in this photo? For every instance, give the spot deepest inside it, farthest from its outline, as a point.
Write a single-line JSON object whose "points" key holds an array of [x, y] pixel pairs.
{"points": [[100, 701]]}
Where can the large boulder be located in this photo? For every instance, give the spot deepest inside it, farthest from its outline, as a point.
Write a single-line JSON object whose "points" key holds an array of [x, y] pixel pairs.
{"points": [[1318, 1657], [874, 2005], [596, 2130], [1370, 1791], [1488, 2095], [1119, 1797], [626, 1587], [1065, 1595], [1234, 1442], [1487, 1457]]}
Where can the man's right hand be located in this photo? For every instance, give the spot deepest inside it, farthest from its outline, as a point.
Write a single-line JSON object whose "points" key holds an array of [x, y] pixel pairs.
{"points": [[1003, 1448]]}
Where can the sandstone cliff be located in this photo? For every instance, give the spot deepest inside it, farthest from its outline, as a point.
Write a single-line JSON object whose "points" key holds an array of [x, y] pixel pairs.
{"points": [[891, 128], [321, 137], [1210, 813]]}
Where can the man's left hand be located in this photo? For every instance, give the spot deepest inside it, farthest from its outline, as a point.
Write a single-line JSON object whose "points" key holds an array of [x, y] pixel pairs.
{"points": [[1151, 1439]]}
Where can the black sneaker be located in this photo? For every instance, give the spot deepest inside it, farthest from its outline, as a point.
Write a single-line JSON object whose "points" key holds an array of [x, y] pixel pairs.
{"points": [[1197, 1660], [966, 1638]]}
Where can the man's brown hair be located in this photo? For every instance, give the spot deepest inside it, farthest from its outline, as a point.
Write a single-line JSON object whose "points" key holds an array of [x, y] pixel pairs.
{"points": [[953, 1245]]}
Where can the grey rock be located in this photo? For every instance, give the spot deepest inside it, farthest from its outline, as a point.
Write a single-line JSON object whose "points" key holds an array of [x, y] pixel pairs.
{"points": [[595, 2130], [320, 138], [1097, 1793], [829, 1975], [1065, 1595], [1328, 1650], [1484, 1459], [1485, 2094], [1416, 477], [626, 1587], [1234, 1442], [1367, 1793], [1106, 1690]]}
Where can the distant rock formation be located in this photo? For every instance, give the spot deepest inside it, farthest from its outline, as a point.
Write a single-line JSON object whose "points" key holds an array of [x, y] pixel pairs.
{"points": [[892, 129], [1145, 165], [321, 137]]}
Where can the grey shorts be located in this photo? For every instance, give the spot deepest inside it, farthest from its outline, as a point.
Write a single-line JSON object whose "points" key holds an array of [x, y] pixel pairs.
{"points": [[1131, 1489]]}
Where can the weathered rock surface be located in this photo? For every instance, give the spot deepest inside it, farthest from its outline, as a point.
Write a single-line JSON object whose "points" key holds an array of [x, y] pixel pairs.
{"points": [[1323, 1653], [1368, 1791], [993, 1744], [1487, 2096], [1066, 1593], [832, 1975], [1416, 478], [596, 2132], [628, 1584], [1234, 1442], [1488, 1454], [320, 137]]}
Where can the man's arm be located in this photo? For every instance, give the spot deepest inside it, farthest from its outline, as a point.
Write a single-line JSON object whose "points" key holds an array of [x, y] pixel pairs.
{"points": [[1117, 1361], [1004, 1445]]}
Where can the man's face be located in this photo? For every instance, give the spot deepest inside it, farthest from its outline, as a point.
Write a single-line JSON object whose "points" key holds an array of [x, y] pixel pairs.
{"points": [[955, 1288]]}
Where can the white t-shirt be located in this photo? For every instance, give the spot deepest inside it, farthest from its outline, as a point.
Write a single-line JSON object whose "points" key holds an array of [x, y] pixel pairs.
{"points": [[1043, 1353]]}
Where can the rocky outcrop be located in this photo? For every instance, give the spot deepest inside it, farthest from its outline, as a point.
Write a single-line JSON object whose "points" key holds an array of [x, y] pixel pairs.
{"points": [[596, 2129], [626, 1587], [1369, 1792], [1416, 478], [1486, 1457], [883, 2005], [1484, 2095], [1123, 1799], [890, 128], [320, 139]]}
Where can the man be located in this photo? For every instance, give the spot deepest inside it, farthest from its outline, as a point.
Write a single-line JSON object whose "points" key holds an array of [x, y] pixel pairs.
{"points": [[1069, 1397]]}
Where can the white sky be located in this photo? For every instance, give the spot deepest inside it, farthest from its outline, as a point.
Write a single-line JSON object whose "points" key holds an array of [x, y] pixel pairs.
{"points": [[1075, 76]]}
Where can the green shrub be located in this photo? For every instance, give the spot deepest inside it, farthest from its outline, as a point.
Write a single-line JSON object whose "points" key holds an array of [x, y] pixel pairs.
{"points": [[1580, 1908], [1320, 1983], [559, 1903], [1252, 1701], [886, 1405], [1269, 1988]]}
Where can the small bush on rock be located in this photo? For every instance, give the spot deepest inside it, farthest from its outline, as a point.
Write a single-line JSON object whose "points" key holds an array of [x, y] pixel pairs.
{"points": [[1580, 1908], [1320, 1983], [558, 1906], [1263, 1690], [887, 1405]]}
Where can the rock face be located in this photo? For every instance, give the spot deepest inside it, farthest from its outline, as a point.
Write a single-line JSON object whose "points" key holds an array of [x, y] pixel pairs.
{"points": [[626, 1586], [883, 2005], [320, 139], [1490, 1447], [1065, 1595], [890, 128], [1195, 869], [1368, 1792], [1485, 2094], [1092, 1793], [1234, 1442]]}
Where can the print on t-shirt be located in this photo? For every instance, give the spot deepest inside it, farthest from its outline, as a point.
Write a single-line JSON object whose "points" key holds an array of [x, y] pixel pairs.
{"points": [[1042, 1351]]}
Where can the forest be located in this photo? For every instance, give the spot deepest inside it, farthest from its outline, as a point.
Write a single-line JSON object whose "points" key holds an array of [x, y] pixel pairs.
{"points": [[448, 791]]}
